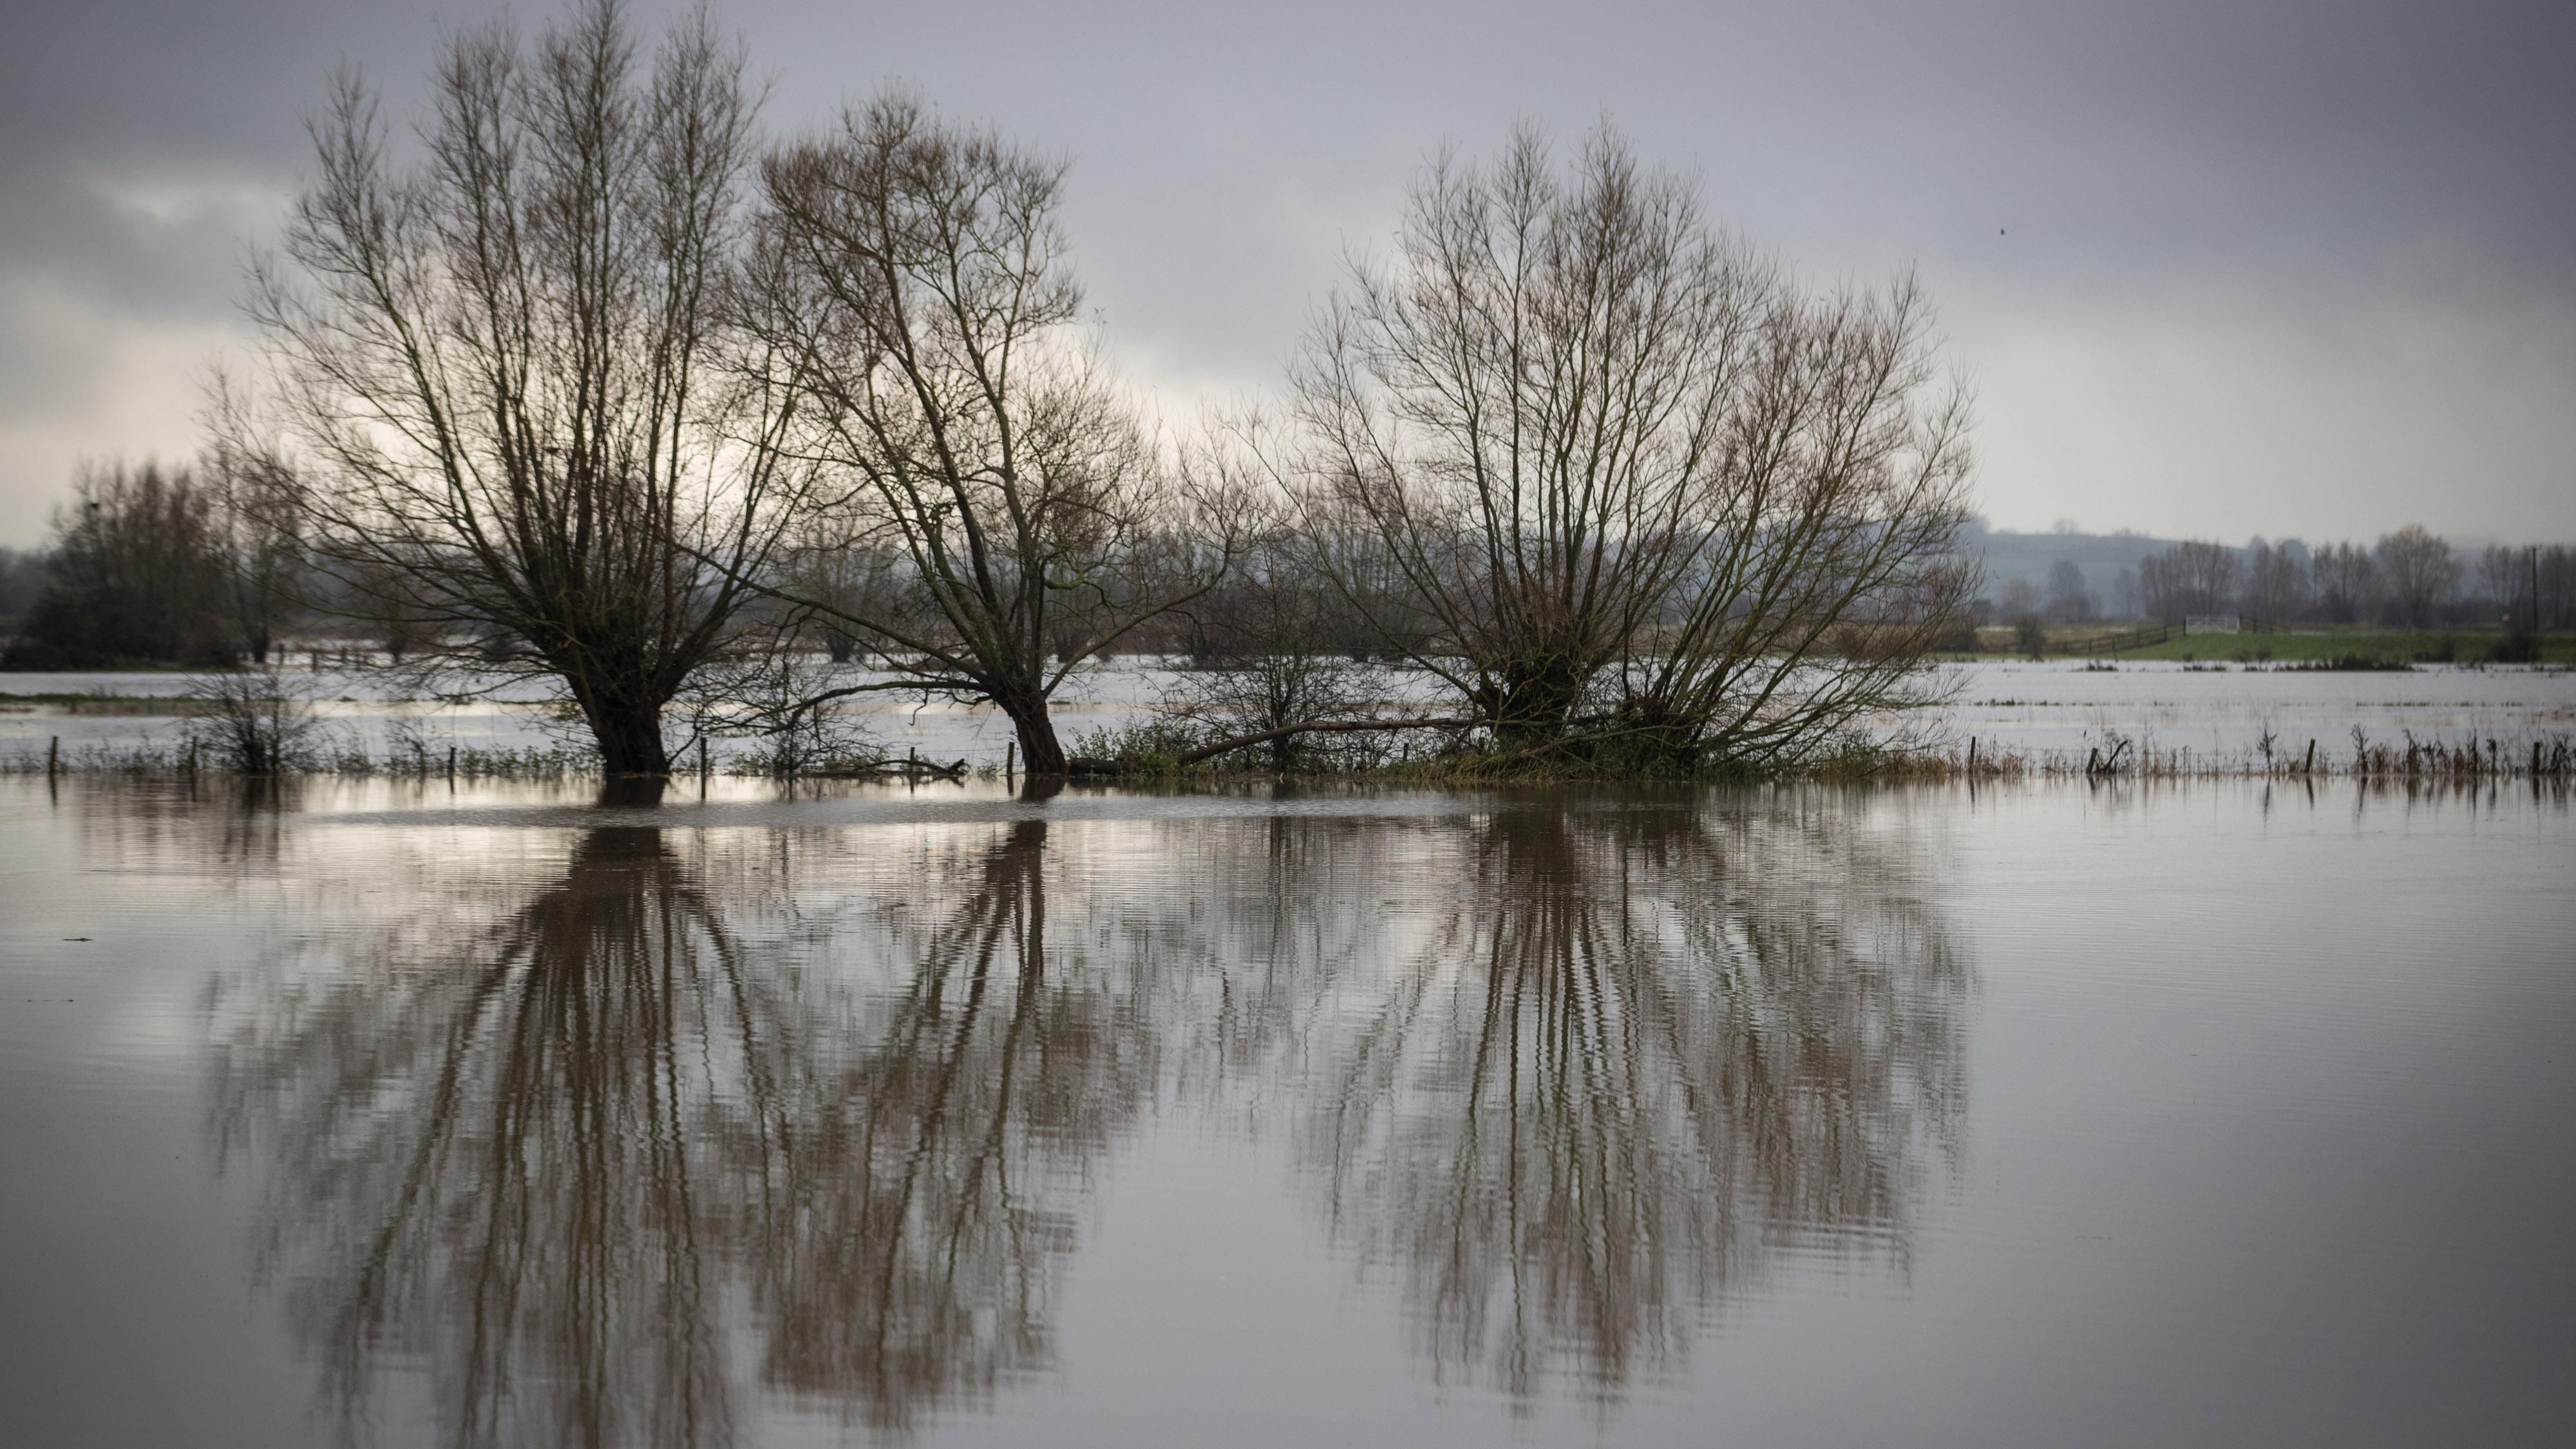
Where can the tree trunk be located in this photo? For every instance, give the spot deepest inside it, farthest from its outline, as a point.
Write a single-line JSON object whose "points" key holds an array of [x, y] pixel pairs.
{"points": [[1040, 754], [632, 792], [629, 735]]}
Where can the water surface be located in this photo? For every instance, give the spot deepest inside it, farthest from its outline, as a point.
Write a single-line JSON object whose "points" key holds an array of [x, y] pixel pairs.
{"points": [[364, 1112]]}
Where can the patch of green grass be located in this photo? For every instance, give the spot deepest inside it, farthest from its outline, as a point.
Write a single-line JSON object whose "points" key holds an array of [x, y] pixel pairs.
{"points": [[2463, 646], [2305, 646]]}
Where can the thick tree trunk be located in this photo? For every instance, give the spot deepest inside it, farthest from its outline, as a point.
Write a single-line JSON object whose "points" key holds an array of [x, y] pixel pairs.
{"points": [[630, 792], [1040, 753], [629, 735]]}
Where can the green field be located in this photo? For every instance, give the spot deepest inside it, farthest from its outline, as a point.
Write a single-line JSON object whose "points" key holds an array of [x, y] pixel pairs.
{"points": [[2085, 641]]}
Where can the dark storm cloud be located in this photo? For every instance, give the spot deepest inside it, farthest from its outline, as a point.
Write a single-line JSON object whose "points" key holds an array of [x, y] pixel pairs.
{"points": [[2208, 261]]}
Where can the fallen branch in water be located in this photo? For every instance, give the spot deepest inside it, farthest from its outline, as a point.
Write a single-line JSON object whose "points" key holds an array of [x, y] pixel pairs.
{"points": [[910, 768], [1337, 726]]}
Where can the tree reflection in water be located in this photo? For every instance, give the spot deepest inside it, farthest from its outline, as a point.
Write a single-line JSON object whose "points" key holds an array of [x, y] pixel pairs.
{"points": [[914, 1206], [668, 1131], [1594, 1070], [565, 1163]]}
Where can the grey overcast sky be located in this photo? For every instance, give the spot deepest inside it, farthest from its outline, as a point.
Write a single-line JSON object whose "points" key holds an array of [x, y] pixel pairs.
{"points": [[2215, 267]]}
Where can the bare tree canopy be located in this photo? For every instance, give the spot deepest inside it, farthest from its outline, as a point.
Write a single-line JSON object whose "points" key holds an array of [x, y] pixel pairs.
{"points": [[2346, 582], [2420, 571], [2189, 578], [1620, 482], [1015, 513], [259, 512], [512, 371], [138, 573]]}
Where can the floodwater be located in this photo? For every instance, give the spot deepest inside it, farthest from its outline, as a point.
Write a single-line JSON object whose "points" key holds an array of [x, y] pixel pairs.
{"points": [[2219, 1113], [2218, 712]]}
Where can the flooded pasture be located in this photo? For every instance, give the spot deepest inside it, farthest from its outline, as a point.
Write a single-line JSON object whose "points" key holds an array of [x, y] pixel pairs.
{"points": [[2219, 1112], [2217, 712]]}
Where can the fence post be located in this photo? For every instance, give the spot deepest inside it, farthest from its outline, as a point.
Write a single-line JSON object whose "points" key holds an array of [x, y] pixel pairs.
{"points": [[54, 757]]}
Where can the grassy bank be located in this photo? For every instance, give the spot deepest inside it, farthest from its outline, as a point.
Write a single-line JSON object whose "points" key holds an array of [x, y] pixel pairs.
{"points": [[2320, 645]]}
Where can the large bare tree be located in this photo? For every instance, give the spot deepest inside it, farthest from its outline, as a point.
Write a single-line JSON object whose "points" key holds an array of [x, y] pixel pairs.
{"points": [[1630, 477], [511, 367], [915, 266]]}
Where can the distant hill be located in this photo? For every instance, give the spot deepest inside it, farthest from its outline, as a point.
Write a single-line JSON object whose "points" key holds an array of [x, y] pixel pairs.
{"points": [[2028, 556]]}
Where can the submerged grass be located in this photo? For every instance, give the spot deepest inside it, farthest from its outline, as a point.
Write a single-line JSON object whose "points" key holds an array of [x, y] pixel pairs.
{"points": [[1152, 752], [338, 759], [2115, 754]]}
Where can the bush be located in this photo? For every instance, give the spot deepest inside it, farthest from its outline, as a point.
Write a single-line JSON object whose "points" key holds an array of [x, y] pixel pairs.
{"points": [[256, 724]]}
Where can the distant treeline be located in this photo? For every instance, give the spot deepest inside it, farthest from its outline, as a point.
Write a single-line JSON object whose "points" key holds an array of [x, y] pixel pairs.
{"points": [[2411, 578], [22, 579], [154, 565]]}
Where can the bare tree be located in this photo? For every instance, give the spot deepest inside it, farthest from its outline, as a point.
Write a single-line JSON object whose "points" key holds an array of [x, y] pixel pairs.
{"points": [[2070, 600], [1630, 474], [1270, 652], [2276, 579], [138, 573], [915, 266], [2124, 593], [512, 374], [2504, 582], [2554, 586], [22, 582], [258, 512], [2189, 578], [2346, 582], [2420, 569]]}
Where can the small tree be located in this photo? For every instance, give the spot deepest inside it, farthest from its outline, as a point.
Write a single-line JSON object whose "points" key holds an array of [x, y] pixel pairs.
{"points": [[1269, 651], [915, 278], [255, 724], [2420, 569], [512, 374]]}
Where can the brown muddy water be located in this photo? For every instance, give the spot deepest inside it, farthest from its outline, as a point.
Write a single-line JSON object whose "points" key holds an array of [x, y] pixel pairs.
{"points": [[2127, 1115]]}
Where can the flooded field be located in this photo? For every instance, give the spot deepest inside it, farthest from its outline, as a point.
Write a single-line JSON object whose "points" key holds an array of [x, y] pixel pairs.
{"points": [[2216, 711], [2209, 1113]]}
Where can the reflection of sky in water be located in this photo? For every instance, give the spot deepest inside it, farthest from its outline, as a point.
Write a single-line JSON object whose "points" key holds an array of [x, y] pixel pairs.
{"points": [[2119, 1115], [2057, 705]]}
